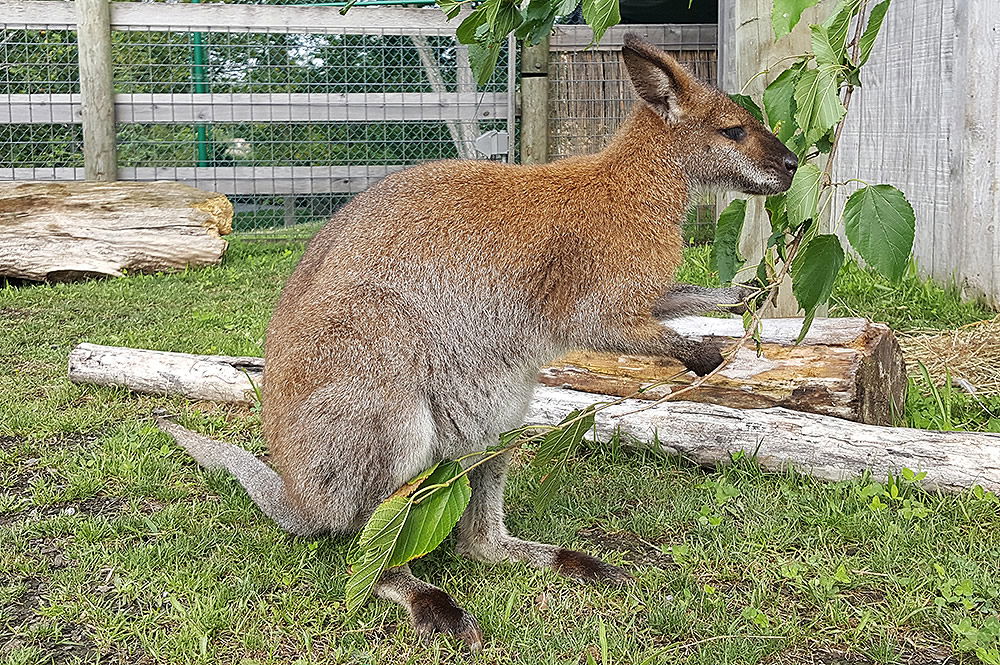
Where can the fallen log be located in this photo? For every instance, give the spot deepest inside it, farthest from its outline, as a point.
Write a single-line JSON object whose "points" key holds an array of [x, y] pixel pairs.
{"points": [[823, 446], [66, 231], [848, 368]]}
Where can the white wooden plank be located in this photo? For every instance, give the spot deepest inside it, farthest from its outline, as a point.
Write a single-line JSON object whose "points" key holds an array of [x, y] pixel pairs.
{"points": [[262, 107], [221, 17], [243, 180]]}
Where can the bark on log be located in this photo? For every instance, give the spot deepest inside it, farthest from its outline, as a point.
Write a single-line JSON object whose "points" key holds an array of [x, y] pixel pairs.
{"points": [[63, 231], [848, 368], [822, 446]]}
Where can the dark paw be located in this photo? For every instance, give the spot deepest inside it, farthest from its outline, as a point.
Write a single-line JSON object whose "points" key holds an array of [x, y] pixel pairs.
{"points": [[434, 612], [748, 293], [703, 358], [586, 568]]}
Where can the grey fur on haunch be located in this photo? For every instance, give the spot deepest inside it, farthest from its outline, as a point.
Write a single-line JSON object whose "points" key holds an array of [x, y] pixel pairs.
{"points": [[259, 480]]}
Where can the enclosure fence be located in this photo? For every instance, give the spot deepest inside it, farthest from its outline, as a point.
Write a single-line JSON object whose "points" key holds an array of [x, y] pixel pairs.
{"points": [[289, 110]]}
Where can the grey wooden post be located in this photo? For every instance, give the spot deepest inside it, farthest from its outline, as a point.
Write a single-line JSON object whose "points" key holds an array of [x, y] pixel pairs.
{"points": [[93, 20], [535, 103]]}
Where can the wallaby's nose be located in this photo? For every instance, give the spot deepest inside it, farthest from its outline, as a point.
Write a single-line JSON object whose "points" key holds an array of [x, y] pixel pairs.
{"points": [[791, 162]]}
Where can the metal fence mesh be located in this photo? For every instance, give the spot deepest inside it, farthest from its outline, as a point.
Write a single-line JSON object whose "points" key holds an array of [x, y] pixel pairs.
{"points": [[288, 124]]}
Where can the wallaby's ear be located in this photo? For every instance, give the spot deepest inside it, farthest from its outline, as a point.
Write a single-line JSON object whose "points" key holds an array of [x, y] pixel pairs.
{"points": [[659, 79]]}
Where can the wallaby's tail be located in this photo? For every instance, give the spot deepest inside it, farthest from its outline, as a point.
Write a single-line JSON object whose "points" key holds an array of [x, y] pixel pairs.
{"points": [[260, 481]]}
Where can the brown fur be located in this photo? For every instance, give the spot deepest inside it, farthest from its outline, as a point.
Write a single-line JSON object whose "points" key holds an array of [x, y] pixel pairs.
{"points": [[415, 324]]}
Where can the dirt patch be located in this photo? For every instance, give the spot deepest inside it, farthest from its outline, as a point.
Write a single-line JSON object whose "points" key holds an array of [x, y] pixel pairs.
{"points": [[912, 654], [14, 314], [637, 551], [97, 505]]}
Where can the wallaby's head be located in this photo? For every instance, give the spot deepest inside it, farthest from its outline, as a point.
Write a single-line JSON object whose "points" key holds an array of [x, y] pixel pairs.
{"points": [[716, 140]]}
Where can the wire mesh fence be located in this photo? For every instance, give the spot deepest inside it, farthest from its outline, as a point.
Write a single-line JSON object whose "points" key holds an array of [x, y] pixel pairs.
{"points": [[288, 122]]}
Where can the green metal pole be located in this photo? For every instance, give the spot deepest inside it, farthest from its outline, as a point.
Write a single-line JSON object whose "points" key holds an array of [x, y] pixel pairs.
{"points": [[202, 132]]}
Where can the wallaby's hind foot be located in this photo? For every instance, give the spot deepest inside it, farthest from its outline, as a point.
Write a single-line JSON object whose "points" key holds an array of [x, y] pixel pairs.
{"points": [[586, 568], [431, 610]]}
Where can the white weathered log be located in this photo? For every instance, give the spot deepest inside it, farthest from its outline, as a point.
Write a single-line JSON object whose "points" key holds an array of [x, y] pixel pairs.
{"points": [[821, 446], [73, 230], [216, 378]]}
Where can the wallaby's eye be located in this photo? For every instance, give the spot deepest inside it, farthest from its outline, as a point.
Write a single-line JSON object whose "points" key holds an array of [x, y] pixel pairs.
{"points": [[734, 133]]}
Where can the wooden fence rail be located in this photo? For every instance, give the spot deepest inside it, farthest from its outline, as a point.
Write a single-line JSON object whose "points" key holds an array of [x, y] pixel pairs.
{"points": [[180, 109]]}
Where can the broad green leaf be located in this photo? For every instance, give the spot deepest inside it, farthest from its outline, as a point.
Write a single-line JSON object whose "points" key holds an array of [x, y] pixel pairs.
{"points": [[867, 40], [539, 17], [601, 15], [502, 17], [826, 54], [779, 102], [451, 8], [556, 449], [483, 60], [725, 249], [879, 222], [802, 197], [817, 102], [749, 104], [786, 14], [840, 22], [815, 269], [375, 549], [560, 443], [468, 30], [434, 513], [566, 7]]}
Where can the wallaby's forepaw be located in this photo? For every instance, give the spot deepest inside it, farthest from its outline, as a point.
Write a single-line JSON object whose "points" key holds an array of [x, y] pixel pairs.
{"points": [[748, 293], [433, 611], [702, 358], [586, 568]]}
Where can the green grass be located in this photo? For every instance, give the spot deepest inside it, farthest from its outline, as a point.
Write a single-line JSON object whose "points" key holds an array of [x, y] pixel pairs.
{"points": [[116, 548]]}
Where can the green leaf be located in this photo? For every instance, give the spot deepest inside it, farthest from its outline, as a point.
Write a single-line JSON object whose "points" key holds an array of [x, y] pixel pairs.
{"points": [[556, 449], [451, 8], [786, 14], [779, 102], [483, 60], [749, 104], [813, 273], [567, 7], [879, 222], [502, 17], [725, 250], [803, 195], [539, 16], [840, 22], [434, 513], [826, 54], [468, 30], [375, 548], [874, 26], [818, 106], [601, 15], [562, 442]]}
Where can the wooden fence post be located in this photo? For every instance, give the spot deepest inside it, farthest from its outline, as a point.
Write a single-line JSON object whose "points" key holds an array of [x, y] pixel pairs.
{"points": [[535, 103], [747, 47], [93, 20]]}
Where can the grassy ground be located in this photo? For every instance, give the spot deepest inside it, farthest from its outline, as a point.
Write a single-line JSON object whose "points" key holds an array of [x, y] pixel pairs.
{"points": [[114, 547]]}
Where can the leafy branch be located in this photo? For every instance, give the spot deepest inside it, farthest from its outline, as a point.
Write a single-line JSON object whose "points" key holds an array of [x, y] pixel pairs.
{"points": [[806, 106]]}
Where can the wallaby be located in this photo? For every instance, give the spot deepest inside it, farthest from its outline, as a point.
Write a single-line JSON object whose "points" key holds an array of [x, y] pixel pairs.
{"points": [[415, 324]]}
